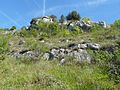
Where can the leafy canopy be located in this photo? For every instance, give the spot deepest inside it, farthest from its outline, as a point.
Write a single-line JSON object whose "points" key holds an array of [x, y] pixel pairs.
{"points": [[74, 15]]}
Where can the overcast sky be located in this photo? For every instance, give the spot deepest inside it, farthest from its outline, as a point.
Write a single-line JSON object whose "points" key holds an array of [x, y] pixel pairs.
{"points": [[20, 12]]}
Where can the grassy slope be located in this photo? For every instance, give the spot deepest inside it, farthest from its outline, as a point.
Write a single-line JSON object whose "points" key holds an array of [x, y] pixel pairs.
{"points": [[44, 75]]}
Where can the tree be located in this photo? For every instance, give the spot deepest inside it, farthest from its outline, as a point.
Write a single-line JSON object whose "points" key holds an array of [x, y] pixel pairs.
{"points": [[62, 19], [73, 16], [13, 28]]}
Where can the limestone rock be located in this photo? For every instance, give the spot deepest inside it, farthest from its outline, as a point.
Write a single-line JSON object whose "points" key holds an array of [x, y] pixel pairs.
{"points": [[24, 53], [94, 46], [48, 56], [82, 46], [62, 61], [82, 56], [103, 24]]}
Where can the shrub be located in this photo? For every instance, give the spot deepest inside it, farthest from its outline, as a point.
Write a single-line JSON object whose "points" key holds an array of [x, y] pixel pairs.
{"points": [[76, 30], [86, 19], [63, 33], [117, 23]]}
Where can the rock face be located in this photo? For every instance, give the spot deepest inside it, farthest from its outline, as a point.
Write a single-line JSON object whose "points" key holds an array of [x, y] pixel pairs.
{"points": [[24, 53], [77, 51]]}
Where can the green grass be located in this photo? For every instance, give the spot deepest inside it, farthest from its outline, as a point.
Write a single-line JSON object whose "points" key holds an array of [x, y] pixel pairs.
{"points": [[43, 75]]}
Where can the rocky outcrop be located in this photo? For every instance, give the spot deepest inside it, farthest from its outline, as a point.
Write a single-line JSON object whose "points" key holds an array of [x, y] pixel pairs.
{"points": [[46, 19], [76, 51], [85, 26], [61, 53], [18, 50], [24, 53]]}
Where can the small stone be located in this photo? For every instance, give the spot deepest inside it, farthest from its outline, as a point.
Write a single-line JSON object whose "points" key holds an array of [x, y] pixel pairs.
{"points": [[62, 61]]}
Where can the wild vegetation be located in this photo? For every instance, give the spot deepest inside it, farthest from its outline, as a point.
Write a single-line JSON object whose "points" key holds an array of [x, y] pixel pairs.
{"points": [[36, 73]]}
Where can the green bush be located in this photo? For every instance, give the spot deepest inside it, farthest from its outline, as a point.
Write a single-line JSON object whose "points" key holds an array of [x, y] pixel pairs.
{"points": [[86, 19], [63, 33], [76, 30], [46, 29], [117, 23]]}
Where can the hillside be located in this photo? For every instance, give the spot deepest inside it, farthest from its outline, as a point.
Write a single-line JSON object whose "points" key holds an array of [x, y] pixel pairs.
{"points": [[70, 54]]}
